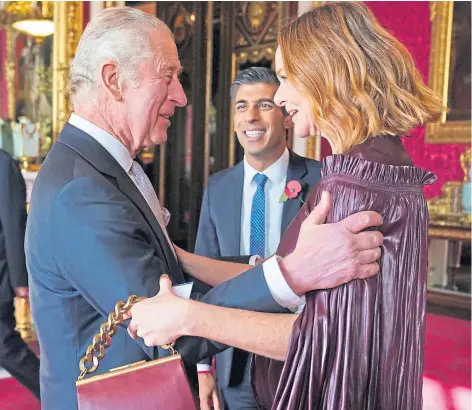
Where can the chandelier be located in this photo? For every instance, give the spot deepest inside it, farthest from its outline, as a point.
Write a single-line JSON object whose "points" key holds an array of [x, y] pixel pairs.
{"points": [[33, 18]]}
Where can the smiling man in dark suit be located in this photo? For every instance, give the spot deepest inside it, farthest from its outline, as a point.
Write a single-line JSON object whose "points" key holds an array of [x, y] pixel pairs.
{"points": [[233, 222]]}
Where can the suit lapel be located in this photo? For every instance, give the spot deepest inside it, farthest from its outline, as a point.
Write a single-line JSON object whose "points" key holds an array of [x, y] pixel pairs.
{"points": [[233, 192], [296, 172], [127, 186], [93, 152]]}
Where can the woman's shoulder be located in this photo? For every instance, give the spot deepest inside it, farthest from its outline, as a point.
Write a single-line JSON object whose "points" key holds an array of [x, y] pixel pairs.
{"points": [[367, 173], [381, 161]]}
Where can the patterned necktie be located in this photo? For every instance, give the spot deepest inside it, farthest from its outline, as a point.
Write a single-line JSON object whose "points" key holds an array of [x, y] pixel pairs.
{"points": [[149, 194], [257, 238]]}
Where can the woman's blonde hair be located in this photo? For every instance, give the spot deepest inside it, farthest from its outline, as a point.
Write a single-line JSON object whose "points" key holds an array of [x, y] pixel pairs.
{"points": [[361, 81]]}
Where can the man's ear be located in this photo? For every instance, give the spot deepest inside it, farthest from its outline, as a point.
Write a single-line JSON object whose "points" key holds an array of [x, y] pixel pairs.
{"points": [[288, 123], [110, 80]]}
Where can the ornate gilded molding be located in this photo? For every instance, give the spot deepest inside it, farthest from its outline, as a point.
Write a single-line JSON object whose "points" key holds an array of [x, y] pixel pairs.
{"points": [[446, 232], [313, 147], [466, 164], [68, 21], [9, 62], [443, 131], [257, 24], [24, 322], [447, 210]]}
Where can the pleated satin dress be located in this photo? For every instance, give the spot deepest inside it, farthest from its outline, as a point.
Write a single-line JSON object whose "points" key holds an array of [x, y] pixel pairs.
{"points": [[360, 346]]}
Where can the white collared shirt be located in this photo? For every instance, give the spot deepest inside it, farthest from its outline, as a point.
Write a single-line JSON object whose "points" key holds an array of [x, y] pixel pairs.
{"points": [[273, 189], [114, 146], [276, 282]]}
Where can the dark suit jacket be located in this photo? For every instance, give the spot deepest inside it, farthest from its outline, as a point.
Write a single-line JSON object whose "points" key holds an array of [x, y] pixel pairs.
{"points": [[219, 230], [12, 227], [91, 241]]}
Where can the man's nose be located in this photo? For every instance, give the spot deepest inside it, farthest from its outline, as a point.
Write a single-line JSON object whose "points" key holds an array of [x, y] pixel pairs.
{"points": [[252, 114], [177, 94]]}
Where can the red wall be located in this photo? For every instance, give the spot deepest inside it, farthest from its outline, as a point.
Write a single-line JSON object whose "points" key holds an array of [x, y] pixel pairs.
{"points": [[86, 12], [410, 23]]}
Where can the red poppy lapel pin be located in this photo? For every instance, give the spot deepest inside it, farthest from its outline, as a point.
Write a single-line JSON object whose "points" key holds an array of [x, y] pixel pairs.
{"points": [[292, 191]]}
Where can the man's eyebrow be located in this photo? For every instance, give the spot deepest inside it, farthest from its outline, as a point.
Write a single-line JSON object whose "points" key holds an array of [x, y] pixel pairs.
{"points": [[172, 67], [262, 100], [258, 101]]}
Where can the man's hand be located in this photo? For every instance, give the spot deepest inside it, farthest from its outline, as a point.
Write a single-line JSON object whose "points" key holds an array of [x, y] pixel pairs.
{"points": [[208, 392], [329, 255], [159, 320], [22, 292]]}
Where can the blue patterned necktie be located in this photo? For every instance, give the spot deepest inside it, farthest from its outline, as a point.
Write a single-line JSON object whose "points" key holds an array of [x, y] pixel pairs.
{"points": [[257, 238]]}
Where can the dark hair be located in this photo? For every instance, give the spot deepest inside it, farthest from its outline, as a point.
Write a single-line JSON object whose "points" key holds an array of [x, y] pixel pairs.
{"points": [[254, 75]]}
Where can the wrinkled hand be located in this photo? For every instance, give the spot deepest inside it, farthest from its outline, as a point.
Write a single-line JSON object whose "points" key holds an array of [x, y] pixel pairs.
{"points": [[328, 255], [22, 292], [159, 320], [208, 392]]}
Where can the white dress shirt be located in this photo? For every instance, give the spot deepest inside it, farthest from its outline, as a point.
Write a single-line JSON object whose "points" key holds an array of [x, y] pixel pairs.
{"points": [[273, 189], [276, 282]]}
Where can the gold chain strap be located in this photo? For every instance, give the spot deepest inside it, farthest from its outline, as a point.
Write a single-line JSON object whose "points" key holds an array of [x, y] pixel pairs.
{"points": [[101, 341]]}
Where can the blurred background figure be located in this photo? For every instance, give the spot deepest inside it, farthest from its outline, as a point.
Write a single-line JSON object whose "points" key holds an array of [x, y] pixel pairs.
{"points": [[15, 356]]}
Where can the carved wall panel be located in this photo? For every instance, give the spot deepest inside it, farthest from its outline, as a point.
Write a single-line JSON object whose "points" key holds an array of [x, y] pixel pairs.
{"points": [[257, 24], [254, 43]]}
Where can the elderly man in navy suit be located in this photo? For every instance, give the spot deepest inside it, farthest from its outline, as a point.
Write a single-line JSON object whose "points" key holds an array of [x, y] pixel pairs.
{"points": [[96, 231], [232, 221]]}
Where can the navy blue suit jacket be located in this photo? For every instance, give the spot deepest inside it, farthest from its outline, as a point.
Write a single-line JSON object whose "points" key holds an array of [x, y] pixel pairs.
{"points": [[91, 241], [219, 230]]}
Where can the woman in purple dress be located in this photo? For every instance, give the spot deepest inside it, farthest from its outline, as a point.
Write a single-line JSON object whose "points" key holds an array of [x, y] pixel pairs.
{"points": [[359, 346]]}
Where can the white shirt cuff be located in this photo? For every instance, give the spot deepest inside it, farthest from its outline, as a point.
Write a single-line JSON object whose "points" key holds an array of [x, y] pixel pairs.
{"points": [[203, 367], [279, 288], [253, 259]]}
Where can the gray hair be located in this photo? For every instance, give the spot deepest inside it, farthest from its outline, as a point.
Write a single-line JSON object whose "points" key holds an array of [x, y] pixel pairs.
{"points": [[120, 34], [253, 75]]}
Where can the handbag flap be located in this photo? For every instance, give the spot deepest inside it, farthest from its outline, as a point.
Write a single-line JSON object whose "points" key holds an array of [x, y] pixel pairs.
{"points": [[157, 385]]}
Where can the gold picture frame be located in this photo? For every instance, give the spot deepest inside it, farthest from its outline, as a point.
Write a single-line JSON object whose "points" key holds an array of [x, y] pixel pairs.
{"points": [[68, 27], [443, 131]]}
